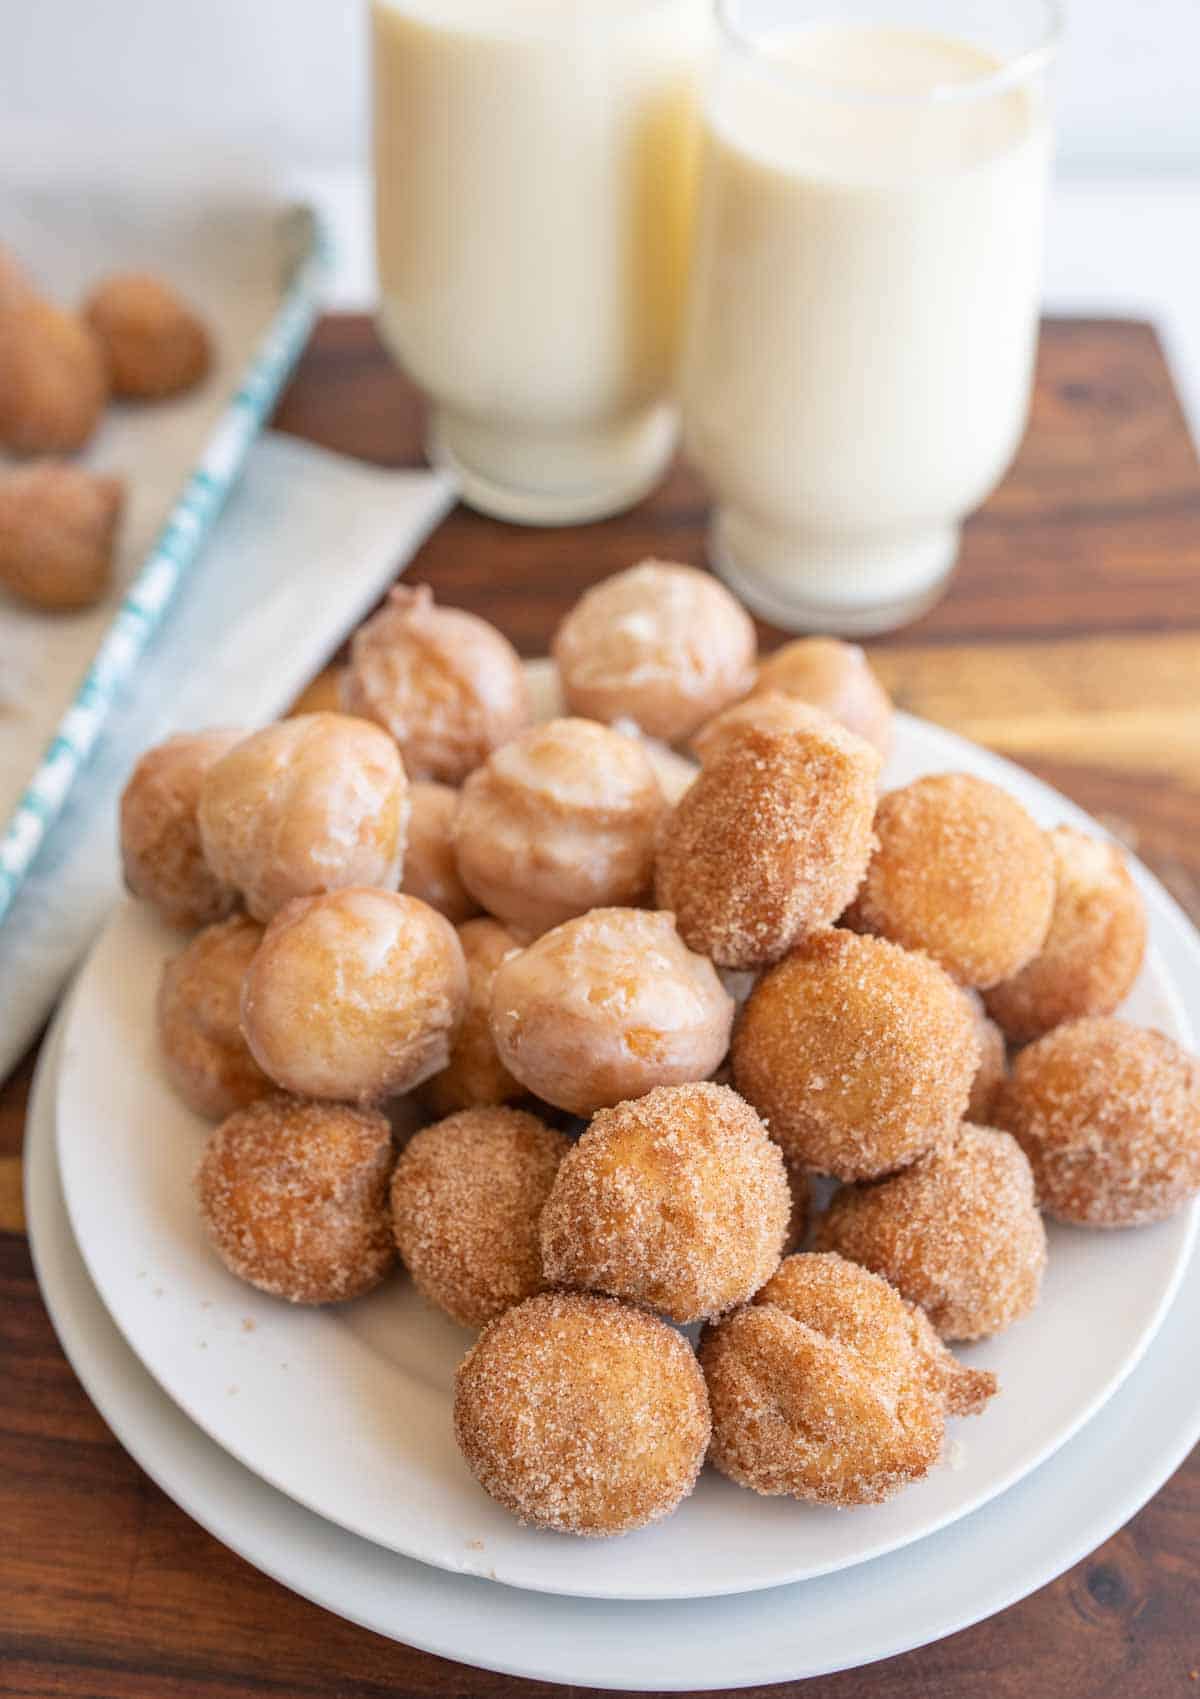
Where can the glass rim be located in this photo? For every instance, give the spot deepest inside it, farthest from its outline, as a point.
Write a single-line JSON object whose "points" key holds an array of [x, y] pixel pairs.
{"points": [[1010, 74]]}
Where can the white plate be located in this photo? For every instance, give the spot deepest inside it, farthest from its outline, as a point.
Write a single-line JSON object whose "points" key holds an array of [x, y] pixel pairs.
{"points": [[347, 1409], [957, 1577]]}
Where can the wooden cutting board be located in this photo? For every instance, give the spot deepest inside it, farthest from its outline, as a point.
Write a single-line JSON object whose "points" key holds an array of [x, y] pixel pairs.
{"points": [[1070, 640]]}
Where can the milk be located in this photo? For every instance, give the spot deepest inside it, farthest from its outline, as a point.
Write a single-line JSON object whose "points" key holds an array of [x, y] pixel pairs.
{"points": [[864, 312], [534, 171]]}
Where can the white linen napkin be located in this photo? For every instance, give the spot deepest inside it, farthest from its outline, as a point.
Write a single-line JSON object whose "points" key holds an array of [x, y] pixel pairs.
{"points": [[307, 544]]}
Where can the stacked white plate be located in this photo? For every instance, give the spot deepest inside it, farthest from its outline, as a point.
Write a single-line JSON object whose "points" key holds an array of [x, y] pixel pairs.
{"points": [[318, 1443]]}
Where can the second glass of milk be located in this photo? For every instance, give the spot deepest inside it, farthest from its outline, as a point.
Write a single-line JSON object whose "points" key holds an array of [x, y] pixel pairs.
{"points": [[534, 167], [864, 306]]}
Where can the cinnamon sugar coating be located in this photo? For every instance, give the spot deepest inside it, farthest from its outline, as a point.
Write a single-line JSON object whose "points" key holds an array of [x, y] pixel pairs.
{"points": [[155, 343], [58, 534], [830, 1388], [447, 685], [560, 821], [430, 866], [53, 379], [858, 1055], [606, 1007], [198, 1016], [1109, 1116], [835, 676], [799, 1220], [661, 644], [770, 712], [678, 1200], [770, 843], [311, 804], [474, 1075], [962, 872], [357, 994], [293, 1196], [161, 851], [581, 1414], [993, 1062], [1093, 951], [958, 1233], [467, 1196]]}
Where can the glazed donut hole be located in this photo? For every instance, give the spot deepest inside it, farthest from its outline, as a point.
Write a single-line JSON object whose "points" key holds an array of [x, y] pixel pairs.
{"points": [[475, 1076], [161, 853], [858, 1055], [309, 805], [661, 644], [581, 1414], [606, 1007], [467, 1196], [835, 676], [770, 843], [772, 712], [430, 865], [678, 1200], [993, 1062], [1109, 1116], [1093, 951], [293, 1197], [198, 1014], [961, 872], [561, 820], [830, 1388], [958, 1233], [445, 684], [358, 994]]}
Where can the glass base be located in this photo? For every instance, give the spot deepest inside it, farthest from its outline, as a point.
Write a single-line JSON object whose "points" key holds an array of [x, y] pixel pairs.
{"points": [[554, 478], [821, 585]]}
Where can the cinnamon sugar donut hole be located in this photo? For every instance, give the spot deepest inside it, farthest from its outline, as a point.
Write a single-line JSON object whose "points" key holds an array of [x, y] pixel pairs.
{"points": [[770, 843], [849, 1303], [961, 872], [993, 1063], [447, 685], [830, 1388], [293, 1197], [307, 805], [581, 1414], [161, 853], [430, 865], [661, 644], [357, 995], [800, 1218], [467, 1195], [957, 1233], [560, 821], [678, 1200], [835, 676], [606, 1007], [198, 1015], [1109, 1116], [858, 1055], [770, 712], [475, 1076], [1093, 951]]}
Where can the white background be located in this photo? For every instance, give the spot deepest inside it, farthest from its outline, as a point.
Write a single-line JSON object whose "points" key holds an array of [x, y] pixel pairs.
{"points": [[281, 82]]}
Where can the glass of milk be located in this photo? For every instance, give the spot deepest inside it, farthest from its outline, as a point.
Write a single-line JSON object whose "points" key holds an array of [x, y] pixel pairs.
{"points": [[534, 171], [863, 312]]}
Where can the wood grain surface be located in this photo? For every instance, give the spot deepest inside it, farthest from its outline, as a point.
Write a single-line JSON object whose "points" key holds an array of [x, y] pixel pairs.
{"points": [[1071, 640]]}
